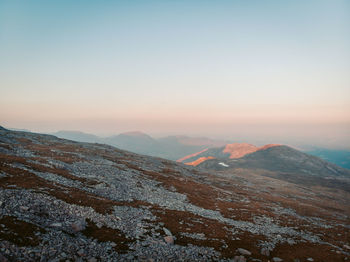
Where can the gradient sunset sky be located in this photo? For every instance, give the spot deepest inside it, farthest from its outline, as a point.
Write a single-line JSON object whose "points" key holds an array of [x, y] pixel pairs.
{"points": [[269, 71]]}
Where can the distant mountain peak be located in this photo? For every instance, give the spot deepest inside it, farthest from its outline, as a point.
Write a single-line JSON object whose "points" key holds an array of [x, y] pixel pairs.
{"points": [[77, 136], [135, 134], [69, 131], [238, 150], [229, 151]]}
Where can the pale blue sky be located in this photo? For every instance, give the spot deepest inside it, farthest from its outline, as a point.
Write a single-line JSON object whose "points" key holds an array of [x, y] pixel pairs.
{"points": [[175, 66]]}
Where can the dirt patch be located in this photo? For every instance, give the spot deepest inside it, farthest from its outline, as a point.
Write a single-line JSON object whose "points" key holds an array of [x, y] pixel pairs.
{"points": [[23, 140], [19, 232], [105, 234], [5, 146], [303, 251]]}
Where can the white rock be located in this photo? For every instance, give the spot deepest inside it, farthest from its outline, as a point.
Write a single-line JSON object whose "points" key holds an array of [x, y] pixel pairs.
{"points": [[223, 164], [24, 208], [277, 259], [244, 251], [167, 231], [56, 225]]}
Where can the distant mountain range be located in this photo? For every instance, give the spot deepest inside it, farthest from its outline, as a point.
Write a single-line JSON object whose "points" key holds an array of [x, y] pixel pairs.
{"points": [[171, 147], [179, 147], [78, 136]]}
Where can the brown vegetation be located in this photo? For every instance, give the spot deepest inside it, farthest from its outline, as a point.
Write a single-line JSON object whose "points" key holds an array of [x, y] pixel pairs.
{"points": [[19, 232], [105, 234]]}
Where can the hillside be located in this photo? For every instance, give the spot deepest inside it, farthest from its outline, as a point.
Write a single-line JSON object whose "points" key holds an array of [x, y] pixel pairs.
{"points": [[279, 158], [229, 151], [89, 202], [338, 157], [282, 162]]}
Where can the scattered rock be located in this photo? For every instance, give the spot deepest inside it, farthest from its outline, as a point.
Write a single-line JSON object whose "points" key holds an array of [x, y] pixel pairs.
{"points": [[244, 251], [310, 259], [277, 259], [81, 253], [265, 252], [169, 240], [3, 259], [56, 225], [92, 259], [239, 259], [79, 225], [130, 257], [346, 246], [24, 208], [167, 231]]}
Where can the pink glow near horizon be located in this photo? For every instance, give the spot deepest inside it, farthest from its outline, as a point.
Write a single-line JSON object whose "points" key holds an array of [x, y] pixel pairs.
{"points": [[242, 71]]}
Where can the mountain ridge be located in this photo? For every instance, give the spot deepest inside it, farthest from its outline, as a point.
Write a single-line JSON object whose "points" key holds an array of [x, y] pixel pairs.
{"points": [[231, 151], [170, 147]]}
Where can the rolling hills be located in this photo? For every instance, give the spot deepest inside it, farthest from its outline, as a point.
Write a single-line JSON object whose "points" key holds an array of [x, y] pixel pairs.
{"points": [[170, 147]]}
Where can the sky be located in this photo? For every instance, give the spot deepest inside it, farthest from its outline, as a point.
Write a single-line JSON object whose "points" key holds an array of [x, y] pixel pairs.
{"points": [[259, 71]]}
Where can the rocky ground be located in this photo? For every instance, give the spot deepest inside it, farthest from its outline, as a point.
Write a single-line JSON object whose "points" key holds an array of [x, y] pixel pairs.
{"points": [[66, 201]]}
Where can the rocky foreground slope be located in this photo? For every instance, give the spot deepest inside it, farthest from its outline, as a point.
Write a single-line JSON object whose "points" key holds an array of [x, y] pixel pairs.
{"points": [[62, 200]]}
